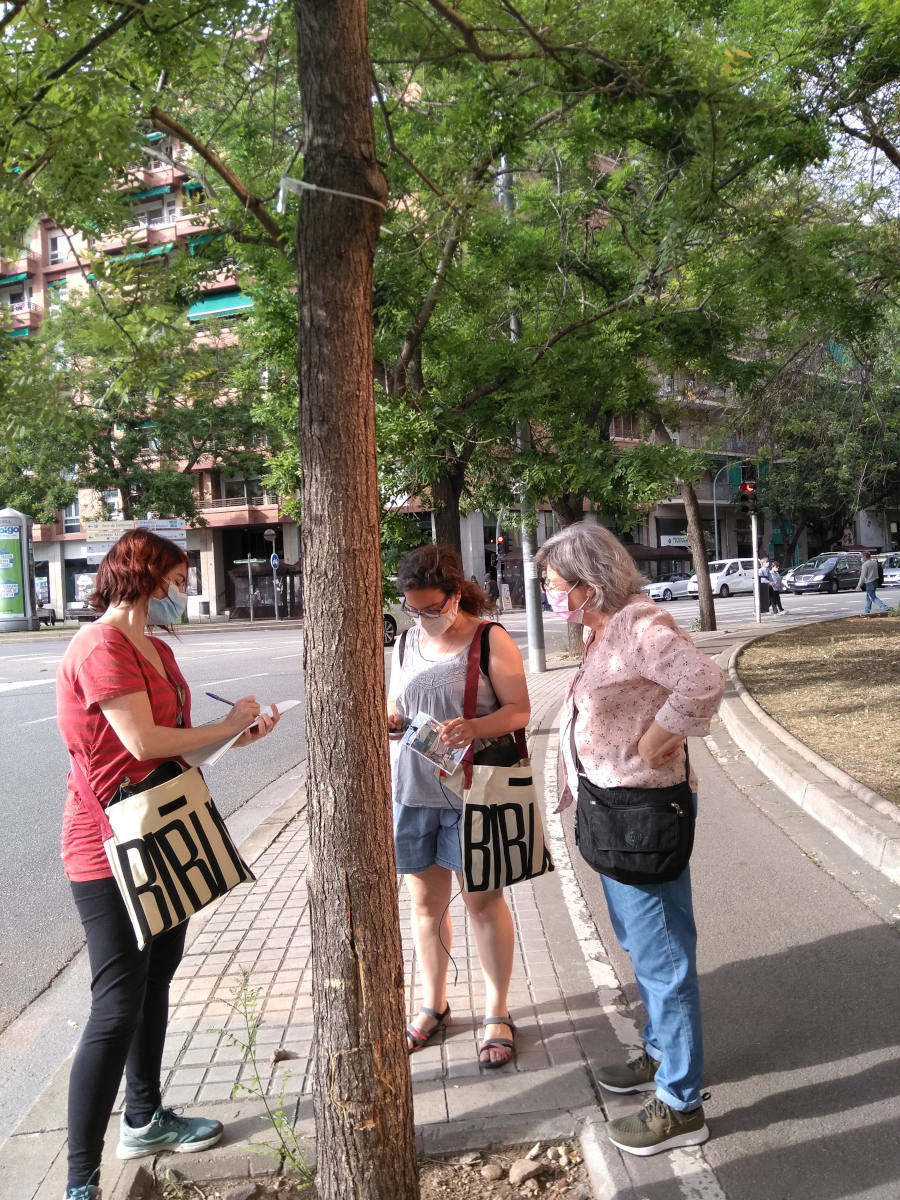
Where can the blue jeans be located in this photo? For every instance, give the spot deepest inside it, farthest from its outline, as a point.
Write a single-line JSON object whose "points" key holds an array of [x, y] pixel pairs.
{"points": [[654, 922], [871, 598]]}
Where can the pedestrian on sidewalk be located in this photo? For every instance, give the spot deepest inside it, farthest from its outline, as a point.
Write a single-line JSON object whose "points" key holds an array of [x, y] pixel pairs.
{"points": [[869, 579], [642, 688], [428, 674], [776, 587], [124, 709]]}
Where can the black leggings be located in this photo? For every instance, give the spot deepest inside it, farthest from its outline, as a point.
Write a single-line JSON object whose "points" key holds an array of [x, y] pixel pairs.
{"points": [[775, 601], [126, 1029]]}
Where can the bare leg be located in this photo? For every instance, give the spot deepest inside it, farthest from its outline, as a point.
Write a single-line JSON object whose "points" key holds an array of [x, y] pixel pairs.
{"points": [[492, 925], [430, 895]]}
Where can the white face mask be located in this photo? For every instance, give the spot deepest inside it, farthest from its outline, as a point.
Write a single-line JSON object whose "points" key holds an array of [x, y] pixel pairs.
{"points": [[435, 626]]}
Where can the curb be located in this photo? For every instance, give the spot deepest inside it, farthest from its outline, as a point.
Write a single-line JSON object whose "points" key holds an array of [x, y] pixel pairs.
{"points": [[606, 1168], [859, 817]]}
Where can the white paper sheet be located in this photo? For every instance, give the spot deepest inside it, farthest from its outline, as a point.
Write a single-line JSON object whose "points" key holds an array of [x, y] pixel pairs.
{"points": [[208, 756]]}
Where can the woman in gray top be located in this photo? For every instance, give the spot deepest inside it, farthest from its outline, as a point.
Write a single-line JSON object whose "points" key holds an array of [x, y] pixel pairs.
{"points": [[428, 675]]}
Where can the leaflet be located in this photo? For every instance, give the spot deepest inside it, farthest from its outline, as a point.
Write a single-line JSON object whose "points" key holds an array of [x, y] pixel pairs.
{"points": [[208, 756], [423, 736]]}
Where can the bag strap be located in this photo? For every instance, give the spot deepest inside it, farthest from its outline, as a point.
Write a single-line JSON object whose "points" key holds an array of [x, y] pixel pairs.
{"points": [[88, 796], [478, 662], [402, 646]]}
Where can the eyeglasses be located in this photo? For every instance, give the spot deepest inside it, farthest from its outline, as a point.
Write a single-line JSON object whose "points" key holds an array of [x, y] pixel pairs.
{"points": [[424, 612], [558, 591]]}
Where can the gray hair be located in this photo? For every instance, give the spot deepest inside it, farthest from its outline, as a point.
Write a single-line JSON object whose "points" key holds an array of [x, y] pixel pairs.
{"points": [[588, 553]]}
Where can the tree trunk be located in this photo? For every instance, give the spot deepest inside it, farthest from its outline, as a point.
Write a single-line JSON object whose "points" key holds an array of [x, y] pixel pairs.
{"points": [[446, 492], [698, 553], [568, 509], [362, 1093], [695, 534]]}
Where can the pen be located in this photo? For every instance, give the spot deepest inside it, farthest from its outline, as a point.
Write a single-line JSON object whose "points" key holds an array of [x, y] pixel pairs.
{"points": [[221, 699]]}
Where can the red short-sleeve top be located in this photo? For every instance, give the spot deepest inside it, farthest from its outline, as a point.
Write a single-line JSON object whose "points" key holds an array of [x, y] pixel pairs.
{"points": [[100, 664]]}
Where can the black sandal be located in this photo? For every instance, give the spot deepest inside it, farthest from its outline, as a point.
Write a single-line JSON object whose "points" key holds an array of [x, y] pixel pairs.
{"points": [[417, 1037], [489, 1044]]}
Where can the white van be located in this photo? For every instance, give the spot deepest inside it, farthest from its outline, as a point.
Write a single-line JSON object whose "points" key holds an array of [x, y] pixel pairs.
{"points": [[726, 576]]}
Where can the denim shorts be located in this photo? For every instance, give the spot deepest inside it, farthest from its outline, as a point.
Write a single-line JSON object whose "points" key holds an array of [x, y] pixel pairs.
{"points": [[426, 837]]}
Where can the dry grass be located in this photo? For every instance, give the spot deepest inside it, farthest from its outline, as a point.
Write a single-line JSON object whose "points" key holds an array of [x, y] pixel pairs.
{"points": [[836, 687]]}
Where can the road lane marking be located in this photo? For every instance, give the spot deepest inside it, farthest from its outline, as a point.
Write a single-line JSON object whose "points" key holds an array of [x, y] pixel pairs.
{"points": [[39, 721], [235, 679], [26, 683]]}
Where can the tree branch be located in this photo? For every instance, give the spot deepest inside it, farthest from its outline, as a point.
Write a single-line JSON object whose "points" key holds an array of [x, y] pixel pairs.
{"points": [[251, 202], [415, 331]]}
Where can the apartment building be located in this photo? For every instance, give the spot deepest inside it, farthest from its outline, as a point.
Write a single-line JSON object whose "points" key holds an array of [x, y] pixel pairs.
{"points": [[166, 210]]}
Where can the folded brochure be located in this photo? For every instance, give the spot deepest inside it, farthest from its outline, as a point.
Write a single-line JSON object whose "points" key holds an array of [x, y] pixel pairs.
{"points": [[208, 756], [423, 736]]}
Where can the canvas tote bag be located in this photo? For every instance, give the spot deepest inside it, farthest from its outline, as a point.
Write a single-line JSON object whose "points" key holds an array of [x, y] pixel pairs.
{"points": [[167, 846], [502, 831]]}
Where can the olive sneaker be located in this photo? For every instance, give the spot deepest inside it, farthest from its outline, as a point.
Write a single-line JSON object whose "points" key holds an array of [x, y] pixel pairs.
{"points": [[168, 1132], [634, 1076], [657, 1127]]}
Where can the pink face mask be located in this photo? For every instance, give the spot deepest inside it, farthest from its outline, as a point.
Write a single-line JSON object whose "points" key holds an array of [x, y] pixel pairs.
{"points": [[559, 603]]}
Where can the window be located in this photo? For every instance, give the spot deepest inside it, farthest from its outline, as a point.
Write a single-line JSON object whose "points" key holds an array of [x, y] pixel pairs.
{"points": [[56, 248], [72, 518], [57, 293], [112, 504], [627, 425]]}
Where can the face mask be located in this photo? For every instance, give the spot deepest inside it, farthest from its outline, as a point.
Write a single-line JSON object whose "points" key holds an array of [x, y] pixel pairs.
{"points": [[169, 609], [559, 603], [435, 626]]}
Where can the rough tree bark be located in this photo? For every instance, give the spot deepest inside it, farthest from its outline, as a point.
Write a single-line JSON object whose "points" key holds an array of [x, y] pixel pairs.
{"points": [[446, 492], [362, 1093]]}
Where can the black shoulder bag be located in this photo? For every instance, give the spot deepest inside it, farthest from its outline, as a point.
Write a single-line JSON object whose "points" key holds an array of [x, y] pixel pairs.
{"points": [[635, 834]]}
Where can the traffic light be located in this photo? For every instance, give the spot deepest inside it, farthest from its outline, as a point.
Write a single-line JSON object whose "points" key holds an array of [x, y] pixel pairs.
{"points": [[749, 489], [501, 542]]}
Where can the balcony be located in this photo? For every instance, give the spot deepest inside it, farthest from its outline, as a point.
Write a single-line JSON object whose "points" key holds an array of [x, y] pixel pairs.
{"points": [[28, 264], [24, 314], [225, 512]]}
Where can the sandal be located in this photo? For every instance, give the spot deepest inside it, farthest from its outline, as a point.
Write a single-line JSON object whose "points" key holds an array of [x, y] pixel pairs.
{"points": [[417, 1037], [507, 1044]]}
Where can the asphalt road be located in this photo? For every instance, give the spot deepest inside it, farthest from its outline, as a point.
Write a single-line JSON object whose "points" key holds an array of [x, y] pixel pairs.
{"points": [[39, 932]]}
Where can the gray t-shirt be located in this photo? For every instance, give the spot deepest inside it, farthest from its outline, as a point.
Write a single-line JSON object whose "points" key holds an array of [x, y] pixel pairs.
{"points": [[436, 688]]}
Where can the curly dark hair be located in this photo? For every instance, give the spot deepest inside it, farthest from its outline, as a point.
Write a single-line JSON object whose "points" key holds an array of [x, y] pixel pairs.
{"points": [[441, 567]]}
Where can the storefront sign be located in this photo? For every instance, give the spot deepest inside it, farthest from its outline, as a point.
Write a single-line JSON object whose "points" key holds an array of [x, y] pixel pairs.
{"points": [[674, 539]]}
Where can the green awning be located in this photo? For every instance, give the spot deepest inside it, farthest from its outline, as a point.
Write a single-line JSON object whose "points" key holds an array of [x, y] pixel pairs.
{"points": [[18, 332], [225, 304], [201, 239], [192, 185], [165, 248], [13, 278], [134, 197], [155, 136]]}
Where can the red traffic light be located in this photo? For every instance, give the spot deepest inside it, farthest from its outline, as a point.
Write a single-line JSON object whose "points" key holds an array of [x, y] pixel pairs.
{"points": [[747, 488]]}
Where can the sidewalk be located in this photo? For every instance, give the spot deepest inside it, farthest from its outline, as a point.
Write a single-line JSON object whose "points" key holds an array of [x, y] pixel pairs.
{"points": [[563, 981]]}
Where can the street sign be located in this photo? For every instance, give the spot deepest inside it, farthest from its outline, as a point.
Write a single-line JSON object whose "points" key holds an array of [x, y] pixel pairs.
{"points": [[274, 560]]}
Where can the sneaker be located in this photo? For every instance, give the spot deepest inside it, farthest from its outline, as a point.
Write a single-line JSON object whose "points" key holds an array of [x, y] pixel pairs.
{"points": [[168, 1131], [86, 1191], [634, 1076], [657, 1127]]}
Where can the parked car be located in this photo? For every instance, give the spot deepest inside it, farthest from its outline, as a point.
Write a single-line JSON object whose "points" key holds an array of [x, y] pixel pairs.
{"points": [[833, 572], [46, 614], [395, 621], [80, 610], [726, 576], [667, 587], [890, 564]]}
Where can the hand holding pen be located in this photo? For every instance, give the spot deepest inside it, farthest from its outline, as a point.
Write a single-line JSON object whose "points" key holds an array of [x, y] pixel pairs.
{"points": [[246, 712]]}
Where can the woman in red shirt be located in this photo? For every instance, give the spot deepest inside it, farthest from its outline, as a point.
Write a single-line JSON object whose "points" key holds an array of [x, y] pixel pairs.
{"points": [[123, 708]]}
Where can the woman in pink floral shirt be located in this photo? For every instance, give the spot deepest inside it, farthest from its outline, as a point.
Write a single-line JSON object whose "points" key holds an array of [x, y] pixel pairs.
{"points": [[643, 688]]}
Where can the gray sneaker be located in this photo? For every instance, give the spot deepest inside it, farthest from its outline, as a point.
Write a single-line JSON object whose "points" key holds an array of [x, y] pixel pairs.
{"points": [[657, 1127], [634, 1076], [168, 1132]]}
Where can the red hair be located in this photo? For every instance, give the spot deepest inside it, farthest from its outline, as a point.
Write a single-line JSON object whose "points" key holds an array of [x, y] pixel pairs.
{"points": [[134, 568]]}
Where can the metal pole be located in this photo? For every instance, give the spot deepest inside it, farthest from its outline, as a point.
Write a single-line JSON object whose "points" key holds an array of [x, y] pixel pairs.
{"points": [[250, 585], [499, 565], [534, 617], [275, 590], [754, 534], [718, 552]]}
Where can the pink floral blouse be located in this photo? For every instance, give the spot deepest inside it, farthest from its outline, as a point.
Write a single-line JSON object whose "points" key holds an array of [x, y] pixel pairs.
{"points": [[641, 668]]}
